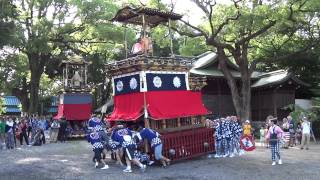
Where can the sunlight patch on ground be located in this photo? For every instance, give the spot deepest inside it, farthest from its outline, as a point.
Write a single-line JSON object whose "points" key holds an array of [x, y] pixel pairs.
{"points": [[28, 160]]}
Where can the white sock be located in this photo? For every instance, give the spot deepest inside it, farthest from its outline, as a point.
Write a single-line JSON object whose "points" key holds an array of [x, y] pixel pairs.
{"points": [[141, 165], [128, 167]]}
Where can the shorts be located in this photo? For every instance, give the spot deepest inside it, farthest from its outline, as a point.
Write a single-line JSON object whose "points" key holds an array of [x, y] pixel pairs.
{"points": [[158, 152], [129, 152]]}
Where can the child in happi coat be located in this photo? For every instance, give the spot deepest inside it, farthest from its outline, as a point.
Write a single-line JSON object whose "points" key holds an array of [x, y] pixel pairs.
{"points": [[97, 147], [218, 138], [144, 158], [274, 135]]}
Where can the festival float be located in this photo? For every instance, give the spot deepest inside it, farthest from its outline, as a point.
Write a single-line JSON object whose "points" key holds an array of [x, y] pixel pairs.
{"points": [[75, 99], [159, 92]]}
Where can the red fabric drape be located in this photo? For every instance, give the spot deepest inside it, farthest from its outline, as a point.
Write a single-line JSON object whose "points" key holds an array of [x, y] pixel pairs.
{"points": [[60, 112], [173, 104], [127, 107], [74, 111]]}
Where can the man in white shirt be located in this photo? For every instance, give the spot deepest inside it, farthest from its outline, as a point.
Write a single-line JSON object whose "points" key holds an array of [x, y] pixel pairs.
{"points": [[305, 133]]}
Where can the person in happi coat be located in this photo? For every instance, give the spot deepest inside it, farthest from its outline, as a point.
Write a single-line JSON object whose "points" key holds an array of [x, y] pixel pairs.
{"points": [[97, 147], [218, 138], [154, 140], [124, 137]]}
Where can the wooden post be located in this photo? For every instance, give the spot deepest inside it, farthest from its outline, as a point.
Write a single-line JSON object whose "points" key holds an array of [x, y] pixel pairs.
{"points": [[146, 121], [275, 113], [67, 78], [170, 34], [203, 121], [192, 120], [144, 33], [85, 74], [125, 41], [179, 122], [164, 124]]}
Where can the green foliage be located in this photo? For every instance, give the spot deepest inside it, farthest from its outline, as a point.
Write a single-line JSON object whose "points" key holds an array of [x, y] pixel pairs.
{"points": [[13, 69], [2, 108], [7, 26], [313, 114], [193, 47]]}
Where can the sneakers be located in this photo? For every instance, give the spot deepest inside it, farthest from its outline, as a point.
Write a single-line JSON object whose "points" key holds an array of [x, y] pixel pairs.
{"points": [[241, 152], [280, 161], [127, 170], [143, 168], [217, 156], [209, 156], [226, 155], [105, 167], [96, 165], [273, 163], [168, 162], [231, 155]]}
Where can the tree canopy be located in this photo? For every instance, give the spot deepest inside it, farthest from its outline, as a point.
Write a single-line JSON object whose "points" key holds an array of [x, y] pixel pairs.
{"points": [[35, 35]]}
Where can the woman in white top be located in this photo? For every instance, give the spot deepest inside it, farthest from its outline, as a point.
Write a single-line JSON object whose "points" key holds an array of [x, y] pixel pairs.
{"points": [[305, 133]]}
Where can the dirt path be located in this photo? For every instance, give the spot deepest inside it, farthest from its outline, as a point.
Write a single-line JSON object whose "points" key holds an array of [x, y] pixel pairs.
{"points": [[72, 160]]}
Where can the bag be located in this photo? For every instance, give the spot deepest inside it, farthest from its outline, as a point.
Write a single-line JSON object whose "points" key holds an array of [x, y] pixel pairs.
{"points": [[273, 137]]}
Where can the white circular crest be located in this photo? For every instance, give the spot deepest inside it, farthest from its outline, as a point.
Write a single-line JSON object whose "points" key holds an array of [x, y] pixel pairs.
{"points": [[176, 82], [119, 86], [157, 82], [133, 83]]}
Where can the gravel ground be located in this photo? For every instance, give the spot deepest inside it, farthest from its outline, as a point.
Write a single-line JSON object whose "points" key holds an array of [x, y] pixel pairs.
{"points": [[72, 160]]}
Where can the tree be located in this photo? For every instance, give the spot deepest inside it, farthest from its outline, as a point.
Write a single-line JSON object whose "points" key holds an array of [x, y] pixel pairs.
{"points": [[14, 75], [233, 30], [7, 26], [2, 108], [48, 30]]}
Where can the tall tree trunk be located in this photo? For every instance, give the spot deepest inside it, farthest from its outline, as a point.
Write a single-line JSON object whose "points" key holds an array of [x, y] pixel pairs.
{"points": [[36, 64], [241, 96], [245, 94], [34, 92], [230, 80]]}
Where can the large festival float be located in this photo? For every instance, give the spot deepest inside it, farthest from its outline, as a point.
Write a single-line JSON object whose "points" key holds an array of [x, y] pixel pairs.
{"points": [[159, 92]]}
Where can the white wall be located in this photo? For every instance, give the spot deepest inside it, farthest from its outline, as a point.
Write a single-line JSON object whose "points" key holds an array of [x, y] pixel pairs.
{"points": [[303, 103]]}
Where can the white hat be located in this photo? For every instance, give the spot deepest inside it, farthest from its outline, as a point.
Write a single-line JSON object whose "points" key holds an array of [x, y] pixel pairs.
{"points": [[247, 121]]}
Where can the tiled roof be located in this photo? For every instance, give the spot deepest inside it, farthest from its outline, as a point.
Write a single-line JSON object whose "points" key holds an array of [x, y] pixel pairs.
{"points": [[54, 101], [12, 110], [153, 17], [53, 110], [276, 77], [11, 101]]}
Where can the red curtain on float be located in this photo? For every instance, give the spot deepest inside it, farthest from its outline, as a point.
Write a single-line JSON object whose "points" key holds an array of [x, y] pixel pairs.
{"points": [[60, 112], [74, 111], [173, 104], [127, 107]]}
